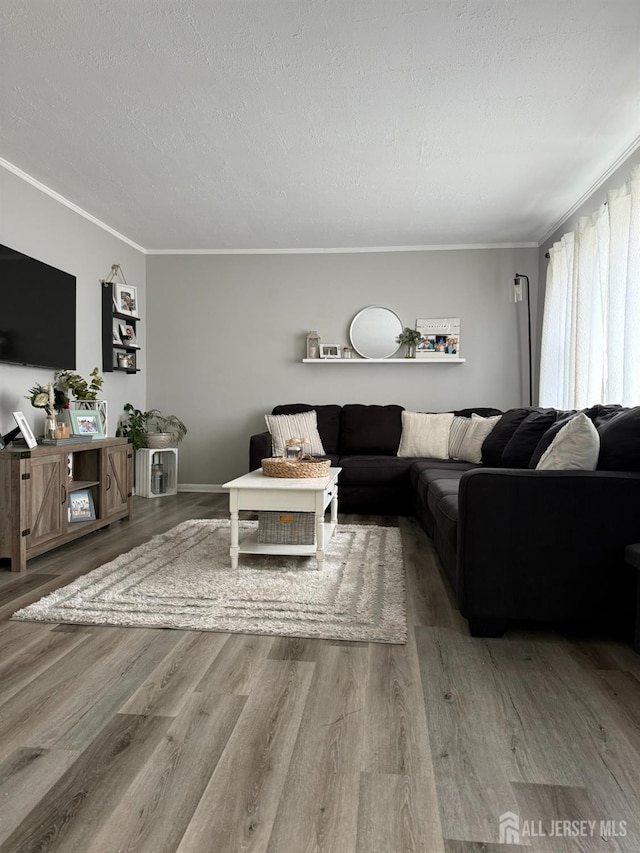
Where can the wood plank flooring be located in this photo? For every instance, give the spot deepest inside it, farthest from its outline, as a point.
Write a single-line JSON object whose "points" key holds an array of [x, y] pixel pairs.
{"points": [[155, 741]]}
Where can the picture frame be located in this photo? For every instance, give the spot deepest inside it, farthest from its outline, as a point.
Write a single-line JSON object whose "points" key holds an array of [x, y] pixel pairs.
{"points": [[330, 351], [81, 506], [128, 335], [440, 337], [126, 361], [25, 429], [87, 423], [115, 338], [126, 299]]}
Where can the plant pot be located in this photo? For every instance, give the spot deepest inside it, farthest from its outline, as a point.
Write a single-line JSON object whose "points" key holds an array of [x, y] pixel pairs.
{"points": [[160, 440]]}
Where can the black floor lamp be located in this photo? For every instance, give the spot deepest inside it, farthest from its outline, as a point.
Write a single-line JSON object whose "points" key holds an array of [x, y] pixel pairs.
{"points": [[517, 297]]}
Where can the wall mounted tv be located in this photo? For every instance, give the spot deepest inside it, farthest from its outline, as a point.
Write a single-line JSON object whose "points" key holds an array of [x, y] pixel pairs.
{"points": [[37, 313]]}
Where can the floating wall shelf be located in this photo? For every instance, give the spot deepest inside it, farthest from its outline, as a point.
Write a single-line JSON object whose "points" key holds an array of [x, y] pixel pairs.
{"points": [[434, 360]]}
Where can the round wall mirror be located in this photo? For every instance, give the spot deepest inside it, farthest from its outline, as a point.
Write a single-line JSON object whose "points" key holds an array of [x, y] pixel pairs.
{"points": [[374, 331]]}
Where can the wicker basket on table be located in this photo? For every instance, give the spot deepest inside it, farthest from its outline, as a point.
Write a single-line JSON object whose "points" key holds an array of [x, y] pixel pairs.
{"points": [[306, 466]]}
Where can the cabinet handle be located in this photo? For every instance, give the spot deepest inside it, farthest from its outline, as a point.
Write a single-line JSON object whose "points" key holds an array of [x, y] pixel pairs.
{"points": [[64, 493], [108, 481]]}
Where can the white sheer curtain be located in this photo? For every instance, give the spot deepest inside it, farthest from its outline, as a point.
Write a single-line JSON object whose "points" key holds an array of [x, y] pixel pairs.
{"points": [[590, 349]]}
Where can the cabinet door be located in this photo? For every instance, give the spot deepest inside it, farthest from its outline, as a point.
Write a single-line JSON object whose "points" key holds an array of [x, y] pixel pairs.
{"points": [[116, 480], [45, 500]]}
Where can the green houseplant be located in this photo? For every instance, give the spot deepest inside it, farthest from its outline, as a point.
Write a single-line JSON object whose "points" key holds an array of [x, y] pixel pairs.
{"points": [[150, 429], [410, 337], [80, 389]]}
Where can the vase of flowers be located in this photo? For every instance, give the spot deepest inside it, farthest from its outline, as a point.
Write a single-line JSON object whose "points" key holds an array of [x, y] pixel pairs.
{"points": [[53, 400], [411, 338]]}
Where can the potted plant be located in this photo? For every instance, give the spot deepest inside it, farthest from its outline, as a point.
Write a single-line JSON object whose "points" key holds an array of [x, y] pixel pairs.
{"points": [[150, 429], [81, 389], [84, 392], [410, 337]]}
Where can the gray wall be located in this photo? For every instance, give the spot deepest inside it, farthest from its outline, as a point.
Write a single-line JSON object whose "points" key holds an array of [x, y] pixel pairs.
{"points": [[38, 225], [226, 335]]}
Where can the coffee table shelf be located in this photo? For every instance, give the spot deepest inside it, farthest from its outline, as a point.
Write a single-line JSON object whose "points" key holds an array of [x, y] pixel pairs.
{"points": [[255, 491]]}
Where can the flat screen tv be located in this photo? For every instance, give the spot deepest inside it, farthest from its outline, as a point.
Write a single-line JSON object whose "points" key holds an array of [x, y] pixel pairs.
{"points": [[37, 313]]}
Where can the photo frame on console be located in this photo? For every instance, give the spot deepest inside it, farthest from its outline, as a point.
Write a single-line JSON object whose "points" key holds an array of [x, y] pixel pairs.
{"points": [[25, 429], [81, 506]]}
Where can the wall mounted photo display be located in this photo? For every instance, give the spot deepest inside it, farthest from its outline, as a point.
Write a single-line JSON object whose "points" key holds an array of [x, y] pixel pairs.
{"points": [[330, 351], [81, 506], [126, 299], [87, 423], [128, 335], [25, 429], [440, 336]]}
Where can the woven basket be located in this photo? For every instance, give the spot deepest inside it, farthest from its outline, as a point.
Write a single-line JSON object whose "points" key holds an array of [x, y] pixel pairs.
{"points": [[294, 468]]}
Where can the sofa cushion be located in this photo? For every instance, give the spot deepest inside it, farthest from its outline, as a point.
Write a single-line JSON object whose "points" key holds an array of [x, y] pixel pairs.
{"points": [[495, 443], [575, 447], [474, 437], [620, 441], [483, 411], [425, 435], [370, 429], [523, 442], [549, 435], [418, 466], [440, 489], [328, 422], [360, 470], [301, 425]]}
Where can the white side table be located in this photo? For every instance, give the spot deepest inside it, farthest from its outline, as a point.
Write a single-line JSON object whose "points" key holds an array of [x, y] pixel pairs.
{"points": [[168, 458], [254, 491]]}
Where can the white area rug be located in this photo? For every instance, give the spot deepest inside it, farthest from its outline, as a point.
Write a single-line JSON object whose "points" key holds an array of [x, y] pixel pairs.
{"points": [[183, 579]]}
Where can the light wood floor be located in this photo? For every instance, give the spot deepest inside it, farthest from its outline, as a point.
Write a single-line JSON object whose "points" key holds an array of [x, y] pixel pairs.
{"points": [[115, 739]]}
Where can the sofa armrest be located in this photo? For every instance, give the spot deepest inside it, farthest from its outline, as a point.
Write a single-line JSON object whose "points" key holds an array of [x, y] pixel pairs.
{"points": [[547, 544], [259, 449]]}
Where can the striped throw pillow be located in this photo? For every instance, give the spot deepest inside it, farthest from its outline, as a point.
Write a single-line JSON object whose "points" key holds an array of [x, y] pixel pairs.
{"points": [[301, 425], [458, 430]]}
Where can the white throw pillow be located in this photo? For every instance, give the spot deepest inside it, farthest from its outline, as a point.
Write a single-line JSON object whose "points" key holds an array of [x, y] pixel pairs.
{"points": [[575, 447], [479, 429], [425, 435], [301, 425]]}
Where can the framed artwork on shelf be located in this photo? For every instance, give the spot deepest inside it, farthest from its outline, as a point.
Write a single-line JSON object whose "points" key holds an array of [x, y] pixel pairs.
{"points": [[81, 506], [330, 351], [440, 336], [126, 361], [126, 299], [25, 429], [87, 423], [115, 337]]}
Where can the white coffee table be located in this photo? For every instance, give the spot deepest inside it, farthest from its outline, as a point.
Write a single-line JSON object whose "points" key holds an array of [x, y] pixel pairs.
{"points": [[254, 491]]}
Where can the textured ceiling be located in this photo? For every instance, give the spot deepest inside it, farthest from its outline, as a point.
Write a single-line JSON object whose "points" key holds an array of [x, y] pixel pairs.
{"points": [[247, 124]]}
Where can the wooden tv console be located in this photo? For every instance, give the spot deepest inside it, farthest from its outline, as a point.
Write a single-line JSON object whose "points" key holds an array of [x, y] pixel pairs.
{"points": [[34, 493]]}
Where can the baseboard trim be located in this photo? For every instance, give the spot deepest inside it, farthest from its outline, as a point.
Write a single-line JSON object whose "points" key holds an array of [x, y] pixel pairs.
{"points": [[212, 488]]}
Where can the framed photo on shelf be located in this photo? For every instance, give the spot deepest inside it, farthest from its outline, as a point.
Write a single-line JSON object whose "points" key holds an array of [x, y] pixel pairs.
{"points": [[126, 361], [127, 335], [126, 299], [115, 338], [87, 423], [81, 506], [25, 429], [330, 351], [440, 337]]}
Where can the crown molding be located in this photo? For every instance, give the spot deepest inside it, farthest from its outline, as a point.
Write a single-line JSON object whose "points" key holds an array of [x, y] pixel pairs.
{"points": [[344, 250], [628, 152], [65, 201]]}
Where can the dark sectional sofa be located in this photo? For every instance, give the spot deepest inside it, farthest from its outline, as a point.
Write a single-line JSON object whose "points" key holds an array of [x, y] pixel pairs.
{"points": [[515, 543]]}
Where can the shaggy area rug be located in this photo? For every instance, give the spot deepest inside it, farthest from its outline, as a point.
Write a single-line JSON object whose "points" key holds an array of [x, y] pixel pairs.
{"points": [[183, 579]]}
